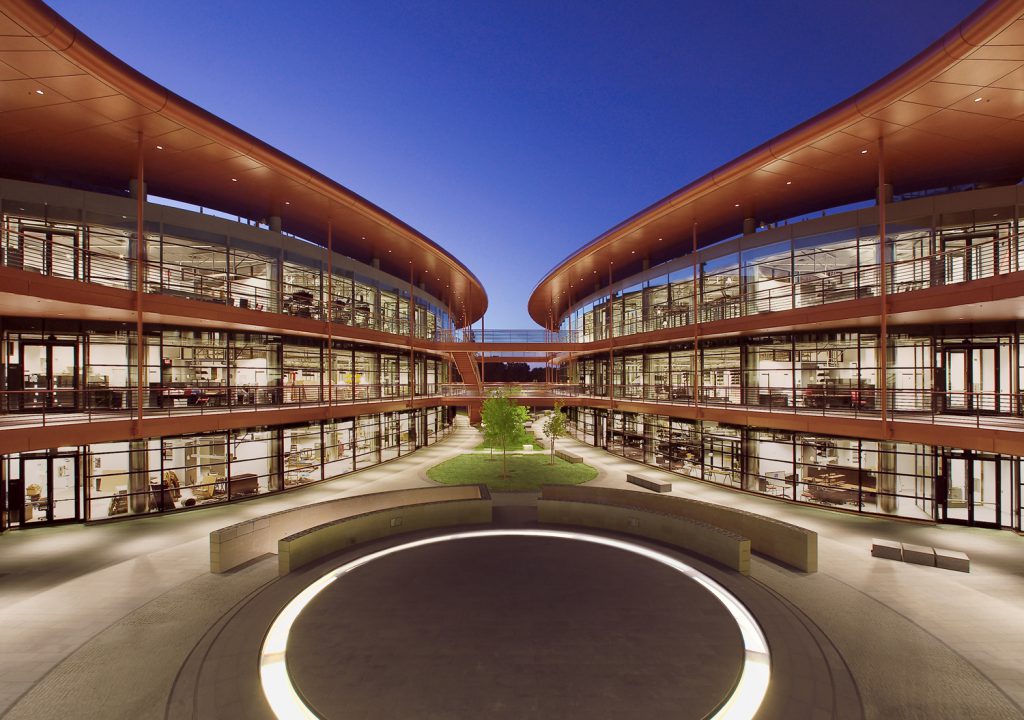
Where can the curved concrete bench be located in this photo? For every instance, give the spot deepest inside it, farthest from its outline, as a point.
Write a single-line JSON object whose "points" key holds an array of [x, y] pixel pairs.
{"points": [[790, 544], [317, 542], [728, 548], [237, 544]]}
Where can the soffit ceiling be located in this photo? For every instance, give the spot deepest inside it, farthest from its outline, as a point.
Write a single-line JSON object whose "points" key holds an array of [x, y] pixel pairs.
{"points": [[934, 130], [84, 130]]}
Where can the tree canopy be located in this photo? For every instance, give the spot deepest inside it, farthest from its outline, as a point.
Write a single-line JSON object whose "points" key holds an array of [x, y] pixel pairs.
{"points": [[555, 427], [504, 421]]}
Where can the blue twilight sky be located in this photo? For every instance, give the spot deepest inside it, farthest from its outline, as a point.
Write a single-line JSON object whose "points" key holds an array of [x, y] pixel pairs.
{"points": [[514, 132]]}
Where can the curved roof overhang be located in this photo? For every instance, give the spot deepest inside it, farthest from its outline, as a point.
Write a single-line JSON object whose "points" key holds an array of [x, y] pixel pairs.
{"points": [[922, 120], [84, 130]]}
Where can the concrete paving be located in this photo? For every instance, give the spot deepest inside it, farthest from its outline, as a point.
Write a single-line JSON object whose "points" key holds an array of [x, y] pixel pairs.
{"points": [[100, 621]]}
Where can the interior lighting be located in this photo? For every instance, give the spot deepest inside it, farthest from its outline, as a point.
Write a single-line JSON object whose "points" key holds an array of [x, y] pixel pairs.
{"points": [[40, 92], [789, 182], [736, 205], [159, 147], [742, 704], [234, 179], [977, 99], [863, 152]]}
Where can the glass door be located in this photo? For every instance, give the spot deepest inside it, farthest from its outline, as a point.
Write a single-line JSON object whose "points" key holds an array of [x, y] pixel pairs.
{"points": [[973, 489], [389, 385], [972, 379], [48, 251], [51, 488], [50, 376]]}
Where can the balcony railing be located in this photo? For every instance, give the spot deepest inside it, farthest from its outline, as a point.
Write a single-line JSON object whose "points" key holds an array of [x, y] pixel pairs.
{"points": [[960, 408], [62, 406], [40, 251]]}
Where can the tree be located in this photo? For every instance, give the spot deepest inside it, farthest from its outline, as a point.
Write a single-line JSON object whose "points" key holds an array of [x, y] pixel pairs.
{"points": [[554, 428], [504, 421]]}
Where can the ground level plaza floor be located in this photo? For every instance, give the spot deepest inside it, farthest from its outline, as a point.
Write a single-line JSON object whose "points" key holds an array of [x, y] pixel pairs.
{"points": [[908, 480], [101, 619]]}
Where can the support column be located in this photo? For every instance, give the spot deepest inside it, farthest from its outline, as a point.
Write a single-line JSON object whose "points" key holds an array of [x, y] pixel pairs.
{"points": [[138, 189], [611, 349], [329, 311], [412, 332], [696, 323], [883, 271]]}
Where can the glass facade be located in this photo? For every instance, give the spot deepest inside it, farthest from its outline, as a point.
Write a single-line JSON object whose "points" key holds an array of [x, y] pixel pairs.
{"points": [[801, 266], [898, 479], [937, 374], [159, 475], [210, 259], [64, 367]]}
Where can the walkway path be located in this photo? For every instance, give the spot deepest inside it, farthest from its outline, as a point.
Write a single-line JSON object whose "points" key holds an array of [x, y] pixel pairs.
{"points": [[979, 615], [60, 586], [88, 605]]}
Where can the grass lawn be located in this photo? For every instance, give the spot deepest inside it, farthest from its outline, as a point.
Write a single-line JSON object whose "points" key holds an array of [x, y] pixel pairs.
{"points": [[526, 472]]}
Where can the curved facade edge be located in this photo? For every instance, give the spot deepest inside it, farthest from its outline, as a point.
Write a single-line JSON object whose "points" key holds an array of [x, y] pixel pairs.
{"points": [[80, 49], [978, 28]]}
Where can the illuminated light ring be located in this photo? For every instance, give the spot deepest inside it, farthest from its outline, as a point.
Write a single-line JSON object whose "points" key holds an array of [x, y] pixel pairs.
{"points": [[742, 704]]}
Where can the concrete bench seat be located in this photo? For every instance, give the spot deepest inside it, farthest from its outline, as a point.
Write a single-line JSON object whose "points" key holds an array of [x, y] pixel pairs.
{"points": [[952, 560], [888, 549], [921, 555], [918, 554], [723, 546], [309, 545], [237, 544], [782, 541], [659, 486], [568, 456]]}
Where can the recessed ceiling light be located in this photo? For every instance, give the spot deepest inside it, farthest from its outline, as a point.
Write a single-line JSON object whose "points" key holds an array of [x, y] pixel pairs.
{"points": [[863, 152], [40, 92], [287, 203], [159, 147], [632, 252], [234, 179], [977, 99], [736, 205], [789, 182]]}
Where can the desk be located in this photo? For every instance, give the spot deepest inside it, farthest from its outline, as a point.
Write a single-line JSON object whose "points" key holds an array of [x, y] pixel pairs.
{"points": [[839, 485]]}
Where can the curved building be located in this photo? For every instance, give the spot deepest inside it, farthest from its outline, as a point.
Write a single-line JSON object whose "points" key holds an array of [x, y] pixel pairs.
{"points": [[752, 330], [188, 315]]}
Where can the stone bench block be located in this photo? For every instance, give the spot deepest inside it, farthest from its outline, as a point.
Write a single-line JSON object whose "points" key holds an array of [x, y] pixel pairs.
{"points": [[568, 456], [952, 560], [888, 549], [649, 483], [918, 554]]}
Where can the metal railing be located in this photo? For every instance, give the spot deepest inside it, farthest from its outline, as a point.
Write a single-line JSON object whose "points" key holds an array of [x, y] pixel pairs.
{"points": [[817, 280], [40, 251], [961, 407], [62, 406]]}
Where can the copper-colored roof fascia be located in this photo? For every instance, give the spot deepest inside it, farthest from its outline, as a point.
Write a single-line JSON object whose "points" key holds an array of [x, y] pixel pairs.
{"points": [[65, 38], [967, 36]]}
